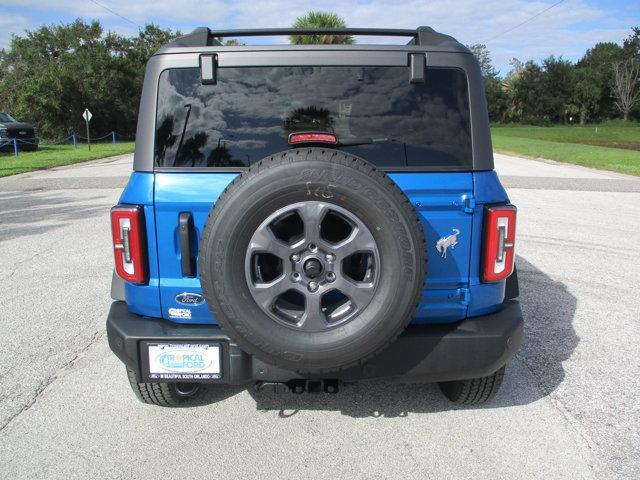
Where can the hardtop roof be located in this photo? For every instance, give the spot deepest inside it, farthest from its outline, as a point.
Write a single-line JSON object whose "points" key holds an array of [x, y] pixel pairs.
{"points": [[422, 36]]}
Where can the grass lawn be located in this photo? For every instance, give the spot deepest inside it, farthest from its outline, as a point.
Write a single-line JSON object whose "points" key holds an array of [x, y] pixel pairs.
{"points": [[48, 156], [611, 146]]}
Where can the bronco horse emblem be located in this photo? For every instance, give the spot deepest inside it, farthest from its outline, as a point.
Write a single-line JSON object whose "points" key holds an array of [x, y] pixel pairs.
{"points": [[445, 242]]}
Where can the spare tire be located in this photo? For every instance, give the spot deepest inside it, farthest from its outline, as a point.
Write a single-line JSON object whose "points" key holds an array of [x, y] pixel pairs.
{"points": [[313, 260]]}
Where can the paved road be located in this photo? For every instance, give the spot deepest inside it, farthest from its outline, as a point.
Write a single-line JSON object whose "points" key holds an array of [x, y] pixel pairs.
{"points": [[569, 407]]}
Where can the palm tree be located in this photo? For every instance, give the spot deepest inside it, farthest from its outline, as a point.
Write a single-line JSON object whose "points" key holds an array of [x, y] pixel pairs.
{"points": [[320, 20]]}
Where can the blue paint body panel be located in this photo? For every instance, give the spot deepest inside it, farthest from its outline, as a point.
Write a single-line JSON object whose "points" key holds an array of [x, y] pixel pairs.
{"points": [[144, 299], [485, 298], [176, 193], [439, 200], [443, 201]]}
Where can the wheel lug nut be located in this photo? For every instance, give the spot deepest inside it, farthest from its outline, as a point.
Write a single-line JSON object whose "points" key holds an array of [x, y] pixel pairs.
{"points": [[295, 257], [295, 276], [313, 286], [331, 276], [330, 257], [313, 247]]}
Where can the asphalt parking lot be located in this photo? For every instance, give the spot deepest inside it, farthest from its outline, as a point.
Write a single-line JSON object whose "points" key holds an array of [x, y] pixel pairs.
{"points": [[569, 407]]}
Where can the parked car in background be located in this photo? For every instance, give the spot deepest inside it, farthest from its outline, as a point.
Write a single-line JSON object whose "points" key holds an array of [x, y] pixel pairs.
{"points": [[25, 133]]}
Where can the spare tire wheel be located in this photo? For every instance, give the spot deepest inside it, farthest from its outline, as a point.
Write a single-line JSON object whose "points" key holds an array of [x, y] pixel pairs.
{"points": [[313, 260]]}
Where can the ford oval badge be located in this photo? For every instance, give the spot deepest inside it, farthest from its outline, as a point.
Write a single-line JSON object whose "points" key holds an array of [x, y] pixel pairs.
{"points": [[187, 298]]}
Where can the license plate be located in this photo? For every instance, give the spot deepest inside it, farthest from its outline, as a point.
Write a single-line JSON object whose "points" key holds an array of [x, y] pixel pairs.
{"points": [[184, 362]]}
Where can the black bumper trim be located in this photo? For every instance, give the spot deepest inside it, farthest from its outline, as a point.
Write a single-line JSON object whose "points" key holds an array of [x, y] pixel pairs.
{"points": [[472, 348]]}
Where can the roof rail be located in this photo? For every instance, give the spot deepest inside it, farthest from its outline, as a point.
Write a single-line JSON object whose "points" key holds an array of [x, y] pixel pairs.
{"points": [[203, 36], [383, 32]]}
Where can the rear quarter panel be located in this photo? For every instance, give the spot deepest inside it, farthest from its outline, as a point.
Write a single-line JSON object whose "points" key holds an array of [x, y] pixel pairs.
{"points": [[485, 298], [144, 299]]}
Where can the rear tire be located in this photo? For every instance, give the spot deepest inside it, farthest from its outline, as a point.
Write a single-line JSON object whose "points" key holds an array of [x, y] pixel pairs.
{"points": [[165, 394], [474, 391]]}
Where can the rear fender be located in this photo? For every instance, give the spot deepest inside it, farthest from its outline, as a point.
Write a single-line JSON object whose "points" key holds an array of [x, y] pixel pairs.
{"points": [[144, 299], [485, 298]]}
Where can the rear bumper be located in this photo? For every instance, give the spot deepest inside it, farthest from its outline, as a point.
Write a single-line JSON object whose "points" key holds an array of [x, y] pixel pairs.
{"points": [[472, 348]]}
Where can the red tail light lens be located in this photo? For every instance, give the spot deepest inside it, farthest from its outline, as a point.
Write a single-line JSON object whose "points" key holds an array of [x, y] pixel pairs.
{"points": [[499, 242], [312, 137], [127, 229]]}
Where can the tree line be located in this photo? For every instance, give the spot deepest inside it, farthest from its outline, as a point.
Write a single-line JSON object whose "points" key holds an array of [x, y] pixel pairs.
{"points": [[604, 84], [50, 75]]}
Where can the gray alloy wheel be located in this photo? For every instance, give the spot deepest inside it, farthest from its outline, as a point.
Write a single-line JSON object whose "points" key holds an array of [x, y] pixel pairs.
{"points": [[317, 285]]}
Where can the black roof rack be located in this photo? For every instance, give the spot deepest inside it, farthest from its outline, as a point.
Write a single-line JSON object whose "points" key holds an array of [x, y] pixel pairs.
{"points": [[203, 36]]}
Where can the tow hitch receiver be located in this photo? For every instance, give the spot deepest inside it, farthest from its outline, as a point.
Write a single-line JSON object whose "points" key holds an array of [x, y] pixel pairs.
{"points": [[299, 386]]}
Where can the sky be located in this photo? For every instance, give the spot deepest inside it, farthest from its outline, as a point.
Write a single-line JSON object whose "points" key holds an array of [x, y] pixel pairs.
{"points": [[509, 28]]}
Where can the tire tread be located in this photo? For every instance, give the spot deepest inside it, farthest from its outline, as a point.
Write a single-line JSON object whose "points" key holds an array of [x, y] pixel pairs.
{"points": [[474, 391], [157, 393]]}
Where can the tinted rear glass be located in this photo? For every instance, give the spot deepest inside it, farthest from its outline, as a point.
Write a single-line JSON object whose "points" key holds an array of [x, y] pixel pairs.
{"points": [[251, 111]]}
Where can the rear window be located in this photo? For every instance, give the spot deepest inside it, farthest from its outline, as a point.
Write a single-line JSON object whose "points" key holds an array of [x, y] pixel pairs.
{"points": [[251, 111]]}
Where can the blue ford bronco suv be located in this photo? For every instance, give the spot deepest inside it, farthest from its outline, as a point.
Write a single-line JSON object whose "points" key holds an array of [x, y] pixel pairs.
{"points": [[304, 215]]}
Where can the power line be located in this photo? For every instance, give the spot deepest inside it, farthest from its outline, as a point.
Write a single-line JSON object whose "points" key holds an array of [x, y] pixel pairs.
{"points": [[116, 14], [522, 23]]}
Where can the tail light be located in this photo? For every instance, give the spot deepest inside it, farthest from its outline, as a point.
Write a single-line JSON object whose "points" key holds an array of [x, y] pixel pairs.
{"points": [[499, 242], [312, 137], [129, 249]]}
